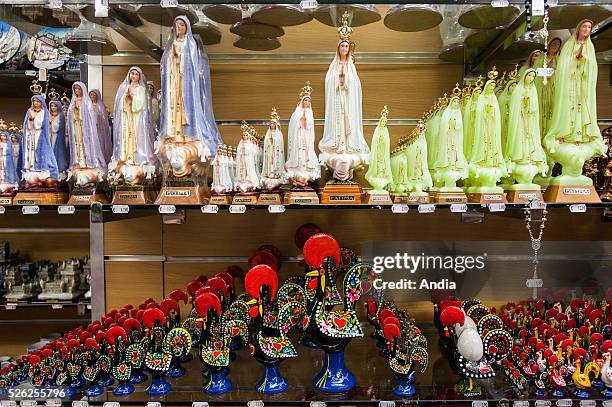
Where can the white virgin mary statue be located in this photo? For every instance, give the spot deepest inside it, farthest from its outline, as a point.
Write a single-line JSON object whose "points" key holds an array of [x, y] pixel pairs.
{"points": [[343, 147], [273, 160]]}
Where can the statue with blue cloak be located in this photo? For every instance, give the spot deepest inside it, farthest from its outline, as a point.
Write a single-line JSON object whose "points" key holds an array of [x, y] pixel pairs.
{"points": [[8, 174]]}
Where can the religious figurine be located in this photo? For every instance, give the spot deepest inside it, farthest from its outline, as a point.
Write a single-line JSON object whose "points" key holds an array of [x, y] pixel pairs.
{"points": [[449, 164], [8, 175], [487, 164], [573, 135], [432, 126], [273, 171], [530, 63], [222, 183], [16, 137], [343, 147], [419, 177], [504, 110], [57, 133], [302, 166], [154, 102], [399, 170], [133, 160], [524, 154], [247, 175], [379, 173], [87, 162], [469, 118], [102, 123], [188, 132]]}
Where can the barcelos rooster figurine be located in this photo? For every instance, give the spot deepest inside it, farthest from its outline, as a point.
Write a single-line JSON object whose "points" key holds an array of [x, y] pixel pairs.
{"points": [[134, 357], [331, 330], [157, 359], [172, 311], [606, 370], [178, 296], [407, 352], [218, 329], [268, 326], [92, 369]]}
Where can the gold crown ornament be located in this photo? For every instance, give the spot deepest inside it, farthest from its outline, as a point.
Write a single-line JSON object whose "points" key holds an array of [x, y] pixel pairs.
{"points": [[3, 126], [345, 31], [457, 91], [245, 127], [65, 99], [13, 128], [492, 74], [36, 88], [513, 75], [384, 112], [274, 117], [479, 82], [306, 91], [53, 95]]}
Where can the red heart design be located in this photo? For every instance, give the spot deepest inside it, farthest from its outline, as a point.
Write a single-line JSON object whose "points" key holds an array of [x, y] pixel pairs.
{"points": [[218, 344], [277, 345], [235, 331], [340, 322], [294, 320], [216, 354]]}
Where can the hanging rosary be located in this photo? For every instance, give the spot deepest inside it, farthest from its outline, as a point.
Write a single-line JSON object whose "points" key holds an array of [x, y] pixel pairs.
{"points": [[536, 243], [544, 34]]}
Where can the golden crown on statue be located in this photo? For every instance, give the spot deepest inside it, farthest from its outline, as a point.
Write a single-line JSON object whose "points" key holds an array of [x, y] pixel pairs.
{"points": [[345, 31], [457, 90], [3, 126], [65, 99], [514, 73], [306, 91], [36, 88], [274, 116], [384, 112], [53, 95], [245, 127], [493, 74], [479, 82]]}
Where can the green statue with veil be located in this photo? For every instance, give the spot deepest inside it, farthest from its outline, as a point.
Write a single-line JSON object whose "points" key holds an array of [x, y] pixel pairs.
{"points": [[379, 172]]}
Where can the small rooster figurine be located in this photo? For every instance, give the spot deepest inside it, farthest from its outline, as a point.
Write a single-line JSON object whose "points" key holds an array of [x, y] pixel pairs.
{"points": [[331, 329]]}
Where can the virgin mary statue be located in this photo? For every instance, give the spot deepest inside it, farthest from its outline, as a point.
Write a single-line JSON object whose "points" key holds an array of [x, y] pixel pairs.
{"points": [[573, 135], [186, 108], [343, 147]]}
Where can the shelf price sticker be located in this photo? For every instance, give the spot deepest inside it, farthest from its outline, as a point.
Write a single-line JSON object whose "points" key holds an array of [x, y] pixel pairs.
{"points": [[543, 403], [199, 404], [168, 3], [318, 404], [427, 208], [111, 404], [385, 403], [588, 403], [564, 403], [210, 209], [65, 209], [254, 403], [458, 208], [535, 283], [500, 3], [239, 209], [57, 306], [497, 207], [520, 403], [2, 210], [276, 208], [545, 72], [80, 403], [121, 209], [578, 208], [166, 209], [8, 403], [30, 210], [308, 4], [10, 306], [57, 403], [153, 404], [28, 403], [400, 208], [480, 403]]}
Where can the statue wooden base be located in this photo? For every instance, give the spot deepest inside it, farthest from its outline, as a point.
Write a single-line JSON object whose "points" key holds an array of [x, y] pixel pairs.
{"points": [[245, 199], [187, 195], [136, 195], [523, 195], [419, 197], [270, 198], [301, 197], [220, 200], [86, 199], [399, 198], [487, 197], [6, 199], [450, 197], [341, 193], [41, 198], [379, 198], [571, 194]]}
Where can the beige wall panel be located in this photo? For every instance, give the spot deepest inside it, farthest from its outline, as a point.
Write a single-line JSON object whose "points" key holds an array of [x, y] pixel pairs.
{"points": [[132, 282], [133, 236]]}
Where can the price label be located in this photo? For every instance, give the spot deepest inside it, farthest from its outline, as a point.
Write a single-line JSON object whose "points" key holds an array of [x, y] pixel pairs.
{"points": [[480, 403], [57, 306], [308, 4], [55, 4], [27, 403], [427, 208], [318, 404], [520, 403], [458, 208], [588, 403], [153, 404], [210, 209], [54, 403], [65, 209], [199, 404], [8, 403], [166, 209], [535, 283], [400, 208], [88, 306], [607, 403], [238, 209], [578, 208], [385, 403], [274, 208], [168, 3], [537, 7], [545, 72], [111, 404], [2, 210], [500, 3], [543, 403], [120, 209], [564, 403], [30, 210], [11, 306], [255, 403], [80, 403], [497, 207]]}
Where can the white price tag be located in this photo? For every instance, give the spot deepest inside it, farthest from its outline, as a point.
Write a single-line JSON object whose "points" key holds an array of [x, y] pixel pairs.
{"points": [[42, 75], [520, 403], [458, 208], [28, 403], [427, 208], [2, 210], [56, 4], [545, 72], [308, 4], [497, 207], [588, 403], [607, 403], [564, 403], [210, 209], [537, 7], [166, 209], [500, 3], [54, 403], [65, 209], [543, 403], [168, 3], [400, 208], [480, 403], [111, 404], [30, 210], [255, 403], [8, 403], [10, 306], [57, 306], [385, 403], [237, 208], [30, 73], [274, 208], [153, 404], [121, 209], [88, 306], [578, 208], [80, 403], [535, 283], [199, 404], [318, 404]]}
